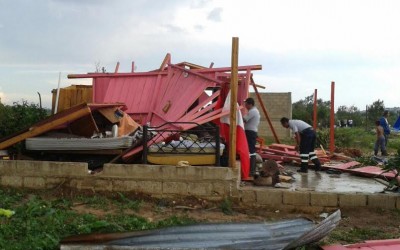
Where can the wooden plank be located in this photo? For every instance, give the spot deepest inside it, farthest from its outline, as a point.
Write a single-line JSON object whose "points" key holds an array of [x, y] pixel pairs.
{"points": [[47, 125], [84, 126], [233, 104], [167, 59]]}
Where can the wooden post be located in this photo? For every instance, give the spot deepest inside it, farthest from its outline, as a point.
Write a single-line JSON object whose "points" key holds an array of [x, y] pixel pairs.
{"points": [[116, 68], [332, 125], [233, 107], [315, 111]]}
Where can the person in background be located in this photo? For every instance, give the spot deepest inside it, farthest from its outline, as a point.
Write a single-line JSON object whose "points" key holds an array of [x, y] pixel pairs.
{"points": [[380, 139], [385, 125], [305, 141], [251, 122]]}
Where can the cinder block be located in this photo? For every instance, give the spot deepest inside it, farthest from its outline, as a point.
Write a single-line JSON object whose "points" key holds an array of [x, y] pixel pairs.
{"points": [[352, 200], [8, 167], [54, 182], [200, 188], [124, 185], [296, 198], [150, 187], [324, 199], [221, 188], [169, 173], [134, 171], [34, 182], [269, 197], [248, 197], [382, 201], [103, 184], [175, 188], [50, 168], [218, 173], [191, 173], [11, 181]]}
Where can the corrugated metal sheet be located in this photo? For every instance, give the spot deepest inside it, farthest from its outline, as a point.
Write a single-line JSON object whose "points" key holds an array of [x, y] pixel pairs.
{"points": [[43, 143], [271, 235]]}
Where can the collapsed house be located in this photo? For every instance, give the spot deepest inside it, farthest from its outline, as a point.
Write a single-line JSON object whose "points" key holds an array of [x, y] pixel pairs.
{"points": [[179, 105]]}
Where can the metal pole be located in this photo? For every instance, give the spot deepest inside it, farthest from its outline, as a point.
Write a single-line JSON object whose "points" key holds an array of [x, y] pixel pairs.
{"points": [[332, 125], [58, 94], [315, 110], [233, 107]]}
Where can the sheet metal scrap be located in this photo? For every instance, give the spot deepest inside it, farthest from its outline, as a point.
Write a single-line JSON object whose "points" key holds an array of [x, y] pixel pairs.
{"points": [[287, 234]]}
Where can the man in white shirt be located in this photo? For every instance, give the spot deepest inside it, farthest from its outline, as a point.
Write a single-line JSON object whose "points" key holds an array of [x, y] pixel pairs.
{"points": [[305, 141], [251, 122]]}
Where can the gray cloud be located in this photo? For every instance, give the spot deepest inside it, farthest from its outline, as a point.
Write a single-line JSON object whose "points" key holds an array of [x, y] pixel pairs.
{"points": [[215, 15]]}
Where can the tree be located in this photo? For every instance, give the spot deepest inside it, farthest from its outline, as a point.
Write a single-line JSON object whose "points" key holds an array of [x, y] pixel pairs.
{"points": [[350, 113], [303, 110], [19, 116], [374, 112]]}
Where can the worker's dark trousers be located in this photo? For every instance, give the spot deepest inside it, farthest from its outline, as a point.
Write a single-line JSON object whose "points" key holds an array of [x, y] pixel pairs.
{"points": [[307, 145], [251, 141]]}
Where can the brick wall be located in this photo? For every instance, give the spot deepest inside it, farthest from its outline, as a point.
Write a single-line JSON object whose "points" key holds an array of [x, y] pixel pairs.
{"points": [[277, 106]]}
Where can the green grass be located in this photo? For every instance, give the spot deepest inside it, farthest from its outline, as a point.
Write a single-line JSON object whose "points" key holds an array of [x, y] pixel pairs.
{"points": [[39, 223]]}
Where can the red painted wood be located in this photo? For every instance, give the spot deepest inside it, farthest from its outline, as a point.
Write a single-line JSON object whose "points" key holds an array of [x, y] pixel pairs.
{"points": [[345, 166], [372, 171]]}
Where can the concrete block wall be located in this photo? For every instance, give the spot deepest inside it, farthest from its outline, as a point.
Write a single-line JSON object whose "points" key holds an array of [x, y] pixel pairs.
{"points": [[213, 183], [277, 106], [157, 180], [283, 198]]}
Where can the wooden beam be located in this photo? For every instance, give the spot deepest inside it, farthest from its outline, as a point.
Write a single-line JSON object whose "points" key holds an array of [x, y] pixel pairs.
{"points": [[97, 75], [167, 59], [64, 117], [116, 68], [233, 107], [228, 69]]}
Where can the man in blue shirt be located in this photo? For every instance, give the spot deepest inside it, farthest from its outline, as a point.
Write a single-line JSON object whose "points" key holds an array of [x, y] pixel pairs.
{"points": [[385, 125]]}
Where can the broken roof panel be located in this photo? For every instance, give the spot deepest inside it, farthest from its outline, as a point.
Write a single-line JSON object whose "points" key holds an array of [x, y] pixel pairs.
{"points": [[287, 234], [59, 120]]}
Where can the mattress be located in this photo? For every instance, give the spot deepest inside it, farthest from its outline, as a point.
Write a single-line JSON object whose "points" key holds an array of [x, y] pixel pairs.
{"points": [[47, 143], [173, 159]]}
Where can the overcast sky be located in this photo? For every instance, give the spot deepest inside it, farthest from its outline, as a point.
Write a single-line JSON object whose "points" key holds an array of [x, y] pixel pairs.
{"points": [[302, 45]]}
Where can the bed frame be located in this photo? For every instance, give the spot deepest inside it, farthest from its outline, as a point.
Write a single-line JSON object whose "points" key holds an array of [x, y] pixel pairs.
{"points": [[162, 141]]}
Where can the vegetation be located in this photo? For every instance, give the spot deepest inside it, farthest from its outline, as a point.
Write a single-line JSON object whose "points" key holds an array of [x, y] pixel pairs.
{"points": [[303, 110], [40, 222]]}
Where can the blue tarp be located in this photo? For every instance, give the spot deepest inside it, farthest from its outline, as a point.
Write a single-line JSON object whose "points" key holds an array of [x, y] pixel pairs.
{"points": [[396, 125]]}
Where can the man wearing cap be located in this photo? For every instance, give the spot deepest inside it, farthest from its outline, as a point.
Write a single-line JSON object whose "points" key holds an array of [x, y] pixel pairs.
{"points": [[251, 122], [385, 125], [305, 139]]}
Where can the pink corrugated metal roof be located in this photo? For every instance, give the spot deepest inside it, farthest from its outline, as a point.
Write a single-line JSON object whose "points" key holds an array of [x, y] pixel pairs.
{"points": [[170, 94], [393, 244]]}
